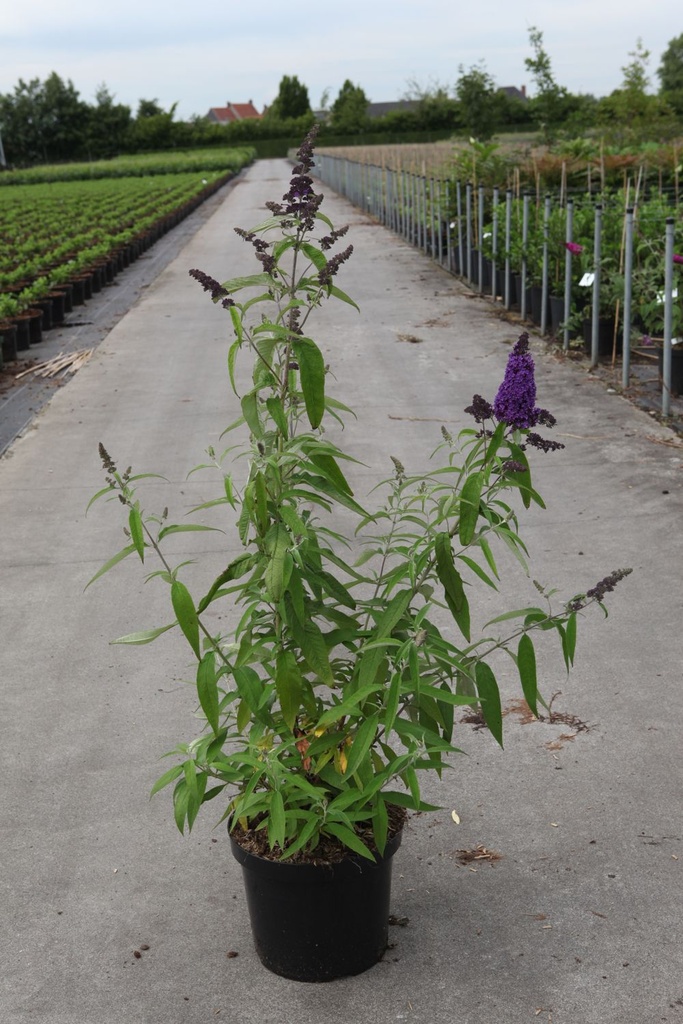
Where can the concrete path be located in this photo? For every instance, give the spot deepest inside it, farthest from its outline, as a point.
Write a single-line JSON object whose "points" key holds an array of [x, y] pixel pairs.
{"points": [[578, 921]]}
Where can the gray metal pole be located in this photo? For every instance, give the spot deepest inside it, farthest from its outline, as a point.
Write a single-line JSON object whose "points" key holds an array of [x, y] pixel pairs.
{"points": [[468, 214], [569, 229], [461, 261], [480, 237], [525, 240], [628, 270], [668, 315], [544, 279], [597, 251], [449, 237], [508, 237], [494, 242]]}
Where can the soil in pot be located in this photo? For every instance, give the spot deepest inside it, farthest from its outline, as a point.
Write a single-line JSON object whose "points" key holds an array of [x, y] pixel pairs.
{"points": [[319, 920]]}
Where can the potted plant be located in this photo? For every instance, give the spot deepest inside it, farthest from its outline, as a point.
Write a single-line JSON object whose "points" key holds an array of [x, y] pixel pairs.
{"points": [[337, 683]]}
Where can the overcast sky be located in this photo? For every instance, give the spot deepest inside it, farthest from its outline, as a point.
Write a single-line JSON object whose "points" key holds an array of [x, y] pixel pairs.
{"points": [[202, 56]]}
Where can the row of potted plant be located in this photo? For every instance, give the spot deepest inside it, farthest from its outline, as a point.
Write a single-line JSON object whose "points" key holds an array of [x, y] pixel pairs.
{"points": [[64, 266]]}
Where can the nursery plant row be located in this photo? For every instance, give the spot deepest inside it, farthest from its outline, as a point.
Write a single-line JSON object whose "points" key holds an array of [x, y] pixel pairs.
{"points": [[591, 270], [221, 161], [63, 241]]}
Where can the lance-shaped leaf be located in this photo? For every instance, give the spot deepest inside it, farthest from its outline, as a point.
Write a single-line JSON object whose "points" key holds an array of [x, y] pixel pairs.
{"points": [[250, 412], [362, 741], [469, 507], [312, 374], [526, 663], [489, 696], [452, 583], [184, 608], [207, 689], [277, 544], [288, 684]]}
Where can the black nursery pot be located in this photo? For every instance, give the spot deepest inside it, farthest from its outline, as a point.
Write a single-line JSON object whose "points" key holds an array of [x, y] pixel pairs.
{"points": [[318, 922]]}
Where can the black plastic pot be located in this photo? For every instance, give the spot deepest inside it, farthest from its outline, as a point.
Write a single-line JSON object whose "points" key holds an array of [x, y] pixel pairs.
{"points": [[676, 368], [318, 922], [605, 337], [556, 304]]}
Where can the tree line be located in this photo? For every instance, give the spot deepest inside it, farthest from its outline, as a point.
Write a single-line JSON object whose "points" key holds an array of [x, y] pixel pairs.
{"points": [[47, 121]]}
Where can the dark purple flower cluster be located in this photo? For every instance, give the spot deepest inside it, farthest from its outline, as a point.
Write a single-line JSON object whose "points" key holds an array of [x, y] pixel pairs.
{"points": [[607, 585], [543, 443], [598, 592], [512, 466], [328, 241], [333, 264], [515, 402], [209, 284], [480, 409]]}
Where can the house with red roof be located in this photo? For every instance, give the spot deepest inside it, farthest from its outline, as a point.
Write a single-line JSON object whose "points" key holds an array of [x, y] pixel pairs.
{"points": [[233, 112]]}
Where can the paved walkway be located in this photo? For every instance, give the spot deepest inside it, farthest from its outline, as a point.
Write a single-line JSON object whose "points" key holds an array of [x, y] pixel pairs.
{"points": [[577, 922]]}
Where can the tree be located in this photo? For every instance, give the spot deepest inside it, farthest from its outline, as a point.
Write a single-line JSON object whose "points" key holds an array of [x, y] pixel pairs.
{"points": [[480, 105], [350, 110], [670, 74], [631, 113], [436, 108], [153, 127], [291, 101], [43, 121], [546, 106], [108, 125]]}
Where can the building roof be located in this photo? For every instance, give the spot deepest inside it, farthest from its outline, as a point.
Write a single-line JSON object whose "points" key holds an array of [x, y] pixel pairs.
{"points": [[233, 112]]}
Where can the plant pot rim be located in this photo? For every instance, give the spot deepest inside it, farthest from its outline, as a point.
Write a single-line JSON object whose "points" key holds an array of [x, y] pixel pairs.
{"points": [[348, 863]]}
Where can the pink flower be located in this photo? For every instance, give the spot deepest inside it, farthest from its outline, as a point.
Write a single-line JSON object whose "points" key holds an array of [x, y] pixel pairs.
{"points": [[677, 258], [574, 248]]}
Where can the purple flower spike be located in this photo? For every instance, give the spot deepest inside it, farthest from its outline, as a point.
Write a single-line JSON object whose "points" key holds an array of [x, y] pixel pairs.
{"points": [[574, 248], [677, 258], [515, 402]]}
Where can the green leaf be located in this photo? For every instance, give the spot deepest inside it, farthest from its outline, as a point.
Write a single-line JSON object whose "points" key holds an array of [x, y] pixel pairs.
{"points": [[339, 294], [570, 637], [362, 741], [312, 374], [186, 528], [250, 412], [170, 776], [136, 534], [235, 284], [184, 608], [314, 650], [207, 689], [277, 545], [238, 567], [288, 684], [478, 571], [326, 465], [145, 637], [250, 687], [469, 507], [316, 256], [276, 820], [526, 663], [123, 553], [392, 702], [452, 583], [489, 696], [348, 838], [277, 412]]}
